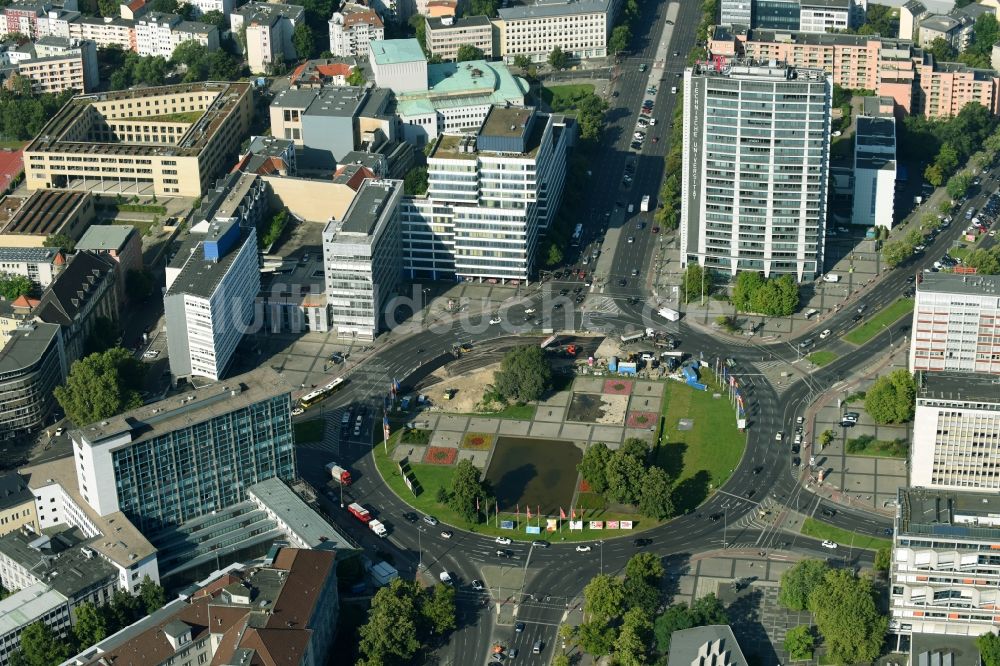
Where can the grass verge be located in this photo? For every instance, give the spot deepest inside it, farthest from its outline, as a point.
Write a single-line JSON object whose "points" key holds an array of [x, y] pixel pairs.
{"points": [[514, 412], [890, 315], [565, 98], [866, 445], [820, 530], [309, 431], [821, 358], [433, 477], [703, 458]]}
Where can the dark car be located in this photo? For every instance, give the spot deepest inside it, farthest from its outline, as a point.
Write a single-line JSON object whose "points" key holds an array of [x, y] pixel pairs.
{"points": [[519, 627], [622, 282], [829, 513], [715, 517], [563, 292], [796, 462], [856, 318], [640, 543], [758, 469], [750, 493], [795, 448], [410, 517]]}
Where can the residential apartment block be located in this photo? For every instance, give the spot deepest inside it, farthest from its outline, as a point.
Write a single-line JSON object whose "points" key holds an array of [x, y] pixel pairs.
{"points": [[956, 432], [121, 243], [352, 28], [171, 140], [892, 68], [945, 572], [61, 64], [214, 280], [158, 34], [446, 35], [185, 457], [361, 259], [268, 35], [489, 196], [580, 28], [755, 168], [956, 324], [105, 31], [39, 264], [875, 164], [32, 364], [17, 505]]}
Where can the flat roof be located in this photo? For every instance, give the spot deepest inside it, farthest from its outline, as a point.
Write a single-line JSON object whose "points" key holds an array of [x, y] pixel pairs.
{"points": [[180, 411], [876, 130], [15, 255], [951, 513], [105, 237], [686, 646], [548, 8], [368, 207], [200, 277], [289, 508], [826, 4], [269, 146], [27, 606], [394, 51], [342, 101], [437, 23], [294, 99], [470, 83], [959, 386], [819, 38], [940, 23], [954, 283], [45, 212], [26, 346], [507, 122], [943, 650], [122, 543], [64, 561]]}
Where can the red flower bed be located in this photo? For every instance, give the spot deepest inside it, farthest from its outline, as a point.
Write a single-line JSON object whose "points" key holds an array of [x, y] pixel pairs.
{"points": [[617, 387], [584, 486], [640, 419], [440, 455]]}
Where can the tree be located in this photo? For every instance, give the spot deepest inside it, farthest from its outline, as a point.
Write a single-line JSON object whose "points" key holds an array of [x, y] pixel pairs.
{"points": [[438, 608], [561, 660], [959, 184], [629, 649], [941, 49], [989, 649], [357, 78], [124, 609], [12, 286], [487, 8], [604, 597], [844, 610], [187, 11], [524, 374], [708, 610], [224, 66], [697, 283], [896, 252], [644, 566], [597, 637], [469, 52], [590, 116], [676, 618], [109, 8], [61, 241], [216, 18], [593, 467], [391, 631], [415, 181], [620, 38], [747, 284], [883, 558], [798, 583], [101, 385], [799, 642], [419, 25], [892, 397], [625, 474], [102, 336], [522, 62], [986, 262], [40, 646], [303, 40], [554, 255], [91, 626], [466, 491], [642, 580], [655, 495], [138, 284], [558, 58], [152, 595]]}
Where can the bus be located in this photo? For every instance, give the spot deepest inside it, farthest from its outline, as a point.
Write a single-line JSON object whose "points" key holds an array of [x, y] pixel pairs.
{"points": [[321, 394], [644, 206], [577, 235]]}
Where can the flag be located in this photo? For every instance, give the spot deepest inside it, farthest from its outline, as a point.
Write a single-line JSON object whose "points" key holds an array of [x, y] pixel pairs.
{"points": [[528, 509], [572, 513], [562, 514], [732, 380], [385, 426], [477, 504], [395, 385]]}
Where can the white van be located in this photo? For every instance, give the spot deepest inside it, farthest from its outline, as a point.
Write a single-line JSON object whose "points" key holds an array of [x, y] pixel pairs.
{"points": [[811, 312], [831, 277], [631, 207]]}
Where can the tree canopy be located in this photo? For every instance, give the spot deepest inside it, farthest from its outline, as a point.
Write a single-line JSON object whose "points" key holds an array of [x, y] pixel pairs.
{"points": [[304, 41], [892, 397], [845, 613], [415, 181], [620, 38], [593, 466], [402, 619], [204, 65], [487, 8], [467, 491], [524, 374], [12, 286], [698, 283], [704, 611], [985, 261], [798, 583], [101, 385], [558, 58], [775, 297], [989, 649], [39, 646], [469, 52]]}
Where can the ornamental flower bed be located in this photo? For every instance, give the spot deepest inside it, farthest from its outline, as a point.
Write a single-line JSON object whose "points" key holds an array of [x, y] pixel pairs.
{"points": [[584, 486], [617, 387], [440, 455], [477, 440], [640, 419]]}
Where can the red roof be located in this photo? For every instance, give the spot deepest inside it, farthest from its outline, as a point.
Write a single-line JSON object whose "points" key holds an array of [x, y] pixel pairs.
{"points": [[25, 302], [335, 69], [59, 259], [11, 164], [136, 4]]}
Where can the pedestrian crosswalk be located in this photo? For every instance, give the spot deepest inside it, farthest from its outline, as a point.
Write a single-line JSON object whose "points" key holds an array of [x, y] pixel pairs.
{"points": [[603, 305]]}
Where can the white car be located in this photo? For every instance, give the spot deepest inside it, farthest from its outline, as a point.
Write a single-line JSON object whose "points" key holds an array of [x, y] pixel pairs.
{"points": [[631, 239], [503, 541], [798, 439], [150, 353], [583, 549], [297, 411], [447, 534], [59, 431], [652, 121], [445, 578], [829, 544], [530, 311], [825, 334], [477, 585], [778, 436], [495, 320]]}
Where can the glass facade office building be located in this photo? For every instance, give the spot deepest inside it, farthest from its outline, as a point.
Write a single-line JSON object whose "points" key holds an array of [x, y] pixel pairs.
{"points": [[777, 14]]}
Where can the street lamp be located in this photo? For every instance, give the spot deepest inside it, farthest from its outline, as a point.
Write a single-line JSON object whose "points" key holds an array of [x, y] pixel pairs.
{"points": [[420, 549], [888, 328], [601, 542]]}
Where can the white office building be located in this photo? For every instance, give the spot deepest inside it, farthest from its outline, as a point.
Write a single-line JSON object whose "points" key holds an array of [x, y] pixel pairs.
{"points": [[825, 15], [956, 324], [755, 168], [875, 165], [956, 432], [945, 571], [213, 282], [361, 258], [580, 28], [489, 195], [735, 12]]}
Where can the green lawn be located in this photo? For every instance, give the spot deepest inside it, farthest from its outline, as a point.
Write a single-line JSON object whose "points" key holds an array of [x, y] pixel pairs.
{"points": [[565, 98], [309, 431], [820, 530], [821, 358], [432, 477], [866, 445], [703, 458], [12, 144], [515, 412], [885, 318]]}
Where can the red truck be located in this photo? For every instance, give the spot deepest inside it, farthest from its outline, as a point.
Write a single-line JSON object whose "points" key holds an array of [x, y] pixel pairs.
{"points": [[360, 512], [339, 474]]}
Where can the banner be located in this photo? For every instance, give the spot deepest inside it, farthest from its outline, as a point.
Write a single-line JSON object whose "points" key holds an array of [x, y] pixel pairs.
{"points": [[409, 483], [612, 525], [551, 525], [597, 524], [506, 524], [576, 524], [533, 529], [626, 524]]}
